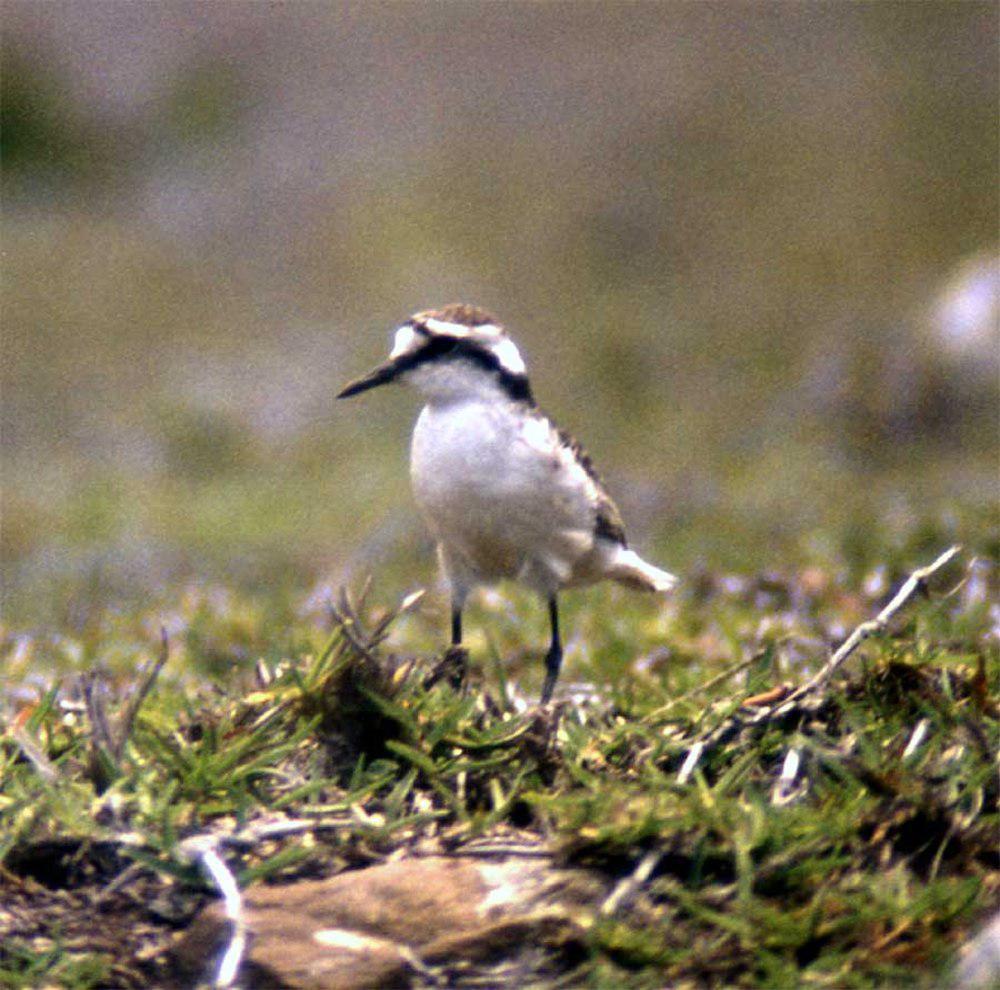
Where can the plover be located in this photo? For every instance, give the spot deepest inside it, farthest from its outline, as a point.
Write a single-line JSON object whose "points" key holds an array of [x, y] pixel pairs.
{"points": [[506, 493]]}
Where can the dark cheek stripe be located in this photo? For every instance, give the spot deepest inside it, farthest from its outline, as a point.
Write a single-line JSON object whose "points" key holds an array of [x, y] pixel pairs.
{"points": [[440, 348]]}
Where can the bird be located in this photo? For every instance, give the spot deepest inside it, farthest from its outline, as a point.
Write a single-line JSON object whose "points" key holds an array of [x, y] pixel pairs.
{"points": [[506, 493]]}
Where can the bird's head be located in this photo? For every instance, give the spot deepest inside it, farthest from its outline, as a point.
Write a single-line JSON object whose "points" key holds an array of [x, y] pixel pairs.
{"points": [[451, 353]]}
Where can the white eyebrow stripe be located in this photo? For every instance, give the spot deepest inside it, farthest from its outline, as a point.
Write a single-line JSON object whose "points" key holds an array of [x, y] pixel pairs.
{"points": [[450, 329], [403, 341], [509, 356], [460, 329]]}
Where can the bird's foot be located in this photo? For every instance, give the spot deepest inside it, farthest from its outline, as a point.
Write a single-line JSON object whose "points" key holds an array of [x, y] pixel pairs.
{"points": [[453, 668]]}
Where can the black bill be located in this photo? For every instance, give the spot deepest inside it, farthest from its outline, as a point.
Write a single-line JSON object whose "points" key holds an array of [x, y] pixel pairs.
{"points": [[380, 376]]}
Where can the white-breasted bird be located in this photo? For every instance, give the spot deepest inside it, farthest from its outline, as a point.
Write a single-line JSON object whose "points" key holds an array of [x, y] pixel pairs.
{"points": [[506, 493]]}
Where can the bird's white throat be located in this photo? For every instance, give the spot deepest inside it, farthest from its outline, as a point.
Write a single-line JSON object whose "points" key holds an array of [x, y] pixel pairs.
{"points": [[457, 380]]}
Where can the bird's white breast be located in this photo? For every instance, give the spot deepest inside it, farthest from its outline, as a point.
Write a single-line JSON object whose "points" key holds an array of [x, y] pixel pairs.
{"points": [[502, 495]]}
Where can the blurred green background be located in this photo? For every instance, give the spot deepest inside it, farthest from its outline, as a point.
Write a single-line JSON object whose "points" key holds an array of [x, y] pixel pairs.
{"points": [[748, 250]]}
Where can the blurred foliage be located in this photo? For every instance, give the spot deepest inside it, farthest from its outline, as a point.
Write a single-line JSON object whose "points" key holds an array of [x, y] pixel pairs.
{"points": [[37, 130], [723, 239]]}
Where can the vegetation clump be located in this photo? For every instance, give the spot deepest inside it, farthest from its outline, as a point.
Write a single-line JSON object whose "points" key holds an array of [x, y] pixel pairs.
{"points": [[746, 834]]}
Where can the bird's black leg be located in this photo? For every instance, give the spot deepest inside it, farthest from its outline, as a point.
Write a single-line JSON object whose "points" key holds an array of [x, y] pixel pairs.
{"points": [[454, 664], [553, 659]]}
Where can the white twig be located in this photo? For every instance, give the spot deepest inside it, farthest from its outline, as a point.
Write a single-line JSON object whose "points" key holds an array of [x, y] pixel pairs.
{"points": [[914, 583], [782, 790], [690, 762], [628, 887], [262, 831], [204, 849], [916, 738], [47, 770], [790, 769]]}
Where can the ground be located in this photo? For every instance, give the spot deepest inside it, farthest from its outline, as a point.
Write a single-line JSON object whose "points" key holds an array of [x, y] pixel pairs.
{"points": [[848, 840]]}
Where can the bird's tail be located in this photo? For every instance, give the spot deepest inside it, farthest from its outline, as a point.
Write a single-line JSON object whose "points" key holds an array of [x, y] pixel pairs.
{"points": [[630, 569]]}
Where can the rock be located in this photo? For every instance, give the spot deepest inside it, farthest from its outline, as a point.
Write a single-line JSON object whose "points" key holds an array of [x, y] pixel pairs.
{"points": [[389, 925], [979, 965]]}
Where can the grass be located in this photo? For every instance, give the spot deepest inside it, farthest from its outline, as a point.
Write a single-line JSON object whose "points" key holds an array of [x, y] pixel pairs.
{"points": [[766, 390], [868, 868]]}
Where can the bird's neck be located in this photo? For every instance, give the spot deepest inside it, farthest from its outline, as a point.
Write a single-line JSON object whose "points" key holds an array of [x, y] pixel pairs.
{"points": [[458, 382]]}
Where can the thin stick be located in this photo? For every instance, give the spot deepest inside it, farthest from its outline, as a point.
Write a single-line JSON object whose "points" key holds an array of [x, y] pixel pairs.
{"points": [[265, 831], [102, 736], [47, 770], [205, 849], [128, 720], [916, 582], [730, 671], [629, 886]]}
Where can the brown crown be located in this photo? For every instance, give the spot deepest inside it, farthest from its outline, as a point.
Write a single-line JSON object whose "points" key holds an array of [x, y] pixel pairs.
{"points": [[461, 313]]}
